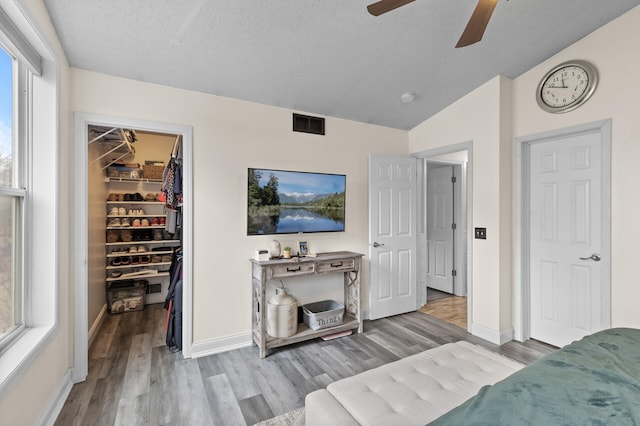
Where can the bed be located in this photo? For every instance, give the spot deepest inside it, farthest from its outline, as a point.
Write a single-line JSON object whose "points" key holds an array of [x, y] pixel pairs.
{"points": [[594, 381]]}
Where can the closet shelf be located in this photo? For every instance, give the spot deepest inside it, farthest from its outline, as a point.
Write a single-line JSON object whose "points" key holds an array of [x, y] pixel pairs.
{"points": [[122, 243], [138, 265], [137, 202], [143, 253], [115, 143], [139, 216], [139, 277], [131, 180]]}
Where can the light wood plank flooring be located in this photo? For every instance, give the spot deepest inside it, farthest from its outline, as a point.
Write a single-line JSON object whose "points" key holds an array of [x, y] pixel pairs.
{"points": [[134, 379], [450, 308]]}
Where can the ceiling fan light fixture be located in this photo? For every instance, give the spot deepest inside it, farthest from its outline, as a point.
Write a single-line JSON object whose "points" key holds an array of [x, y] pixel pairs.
{"points": [[407, 97]]}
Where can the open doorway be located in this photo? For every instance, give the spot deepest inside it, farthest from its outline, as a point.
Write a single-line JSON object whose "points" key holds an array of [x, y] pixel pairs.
{"points": [[95, 212], [444, 239]]}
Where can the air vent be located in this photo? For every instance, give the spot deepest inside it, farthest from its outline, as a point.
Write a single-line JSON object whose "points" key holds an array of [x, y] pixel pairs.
{"points": [[154, 288], [308, 124]]}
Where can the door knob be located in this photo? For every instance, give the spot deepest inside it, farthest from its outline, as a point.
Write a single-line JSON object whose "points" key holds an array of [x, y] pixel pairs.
{"points": [[376, 245], [595, 257]]}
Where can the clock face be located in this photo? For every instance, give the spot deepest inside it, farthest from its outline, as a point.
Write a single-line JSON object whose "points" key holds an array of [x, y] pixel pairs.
{"points": [[567, 86]]}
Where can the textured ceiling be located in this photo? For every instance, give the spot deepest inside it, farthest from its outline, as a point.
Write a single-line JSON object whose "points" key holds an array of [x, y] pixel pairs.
{"points": [[327, 57]]}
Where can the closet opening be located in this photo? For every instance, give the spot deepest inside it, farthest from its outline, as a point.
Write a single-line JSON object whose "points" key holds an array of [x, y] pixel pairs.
{"points": [[133, 233]]}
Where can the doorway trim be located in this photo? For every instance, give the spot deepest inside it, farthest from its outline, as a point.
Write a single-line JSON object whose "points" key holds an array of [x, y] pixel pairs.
{"points": [[80, 364], [521, 224], [468, 180]]}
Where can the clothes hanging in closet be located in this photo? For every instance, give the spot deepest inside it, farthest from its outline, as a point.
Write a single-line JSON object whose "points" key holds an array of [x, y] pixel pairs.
{"points": [[172, 187], [173, 303]]}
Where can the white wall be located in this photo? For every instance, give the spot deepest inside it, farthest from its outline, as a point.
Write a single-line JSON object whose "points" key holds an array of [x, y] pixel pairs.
{"points": [[478, 118], [34, 392], [612, 49], [497, 112], [229, 137]]}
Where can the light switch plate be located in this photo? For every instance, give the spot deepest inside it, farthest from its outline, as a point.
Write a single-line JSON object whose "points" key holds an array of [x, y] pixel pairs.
{"points": [[481, 233]]}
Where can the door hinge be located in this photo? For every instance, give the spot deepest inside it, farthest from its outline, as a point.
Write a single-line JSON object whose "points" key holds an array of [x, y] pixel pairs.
{"points": [[453, 179], [453, 226], [454, 273]]}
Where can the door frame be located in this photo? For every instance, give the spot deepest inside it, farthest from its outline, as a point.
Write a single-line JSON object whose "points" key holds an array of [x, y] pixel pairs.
{"points": [[80, 364], [467, 180], [521, 222]]}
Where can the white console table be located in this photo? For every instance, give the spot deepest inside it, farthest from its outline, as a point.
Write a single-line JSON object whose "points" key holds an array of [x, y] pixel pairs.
{"points": [[348, 263]]}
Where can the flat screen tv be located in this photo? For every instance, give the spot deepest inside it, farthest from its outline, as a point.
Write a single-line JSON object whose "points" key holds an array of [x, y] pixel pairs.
{"points": [[287, 202]]}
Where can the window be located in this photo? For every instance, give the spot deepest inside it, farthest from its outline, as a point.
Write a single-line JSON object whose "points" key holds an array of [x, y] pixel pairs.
{"points": [[29, 197], [11, 205]]}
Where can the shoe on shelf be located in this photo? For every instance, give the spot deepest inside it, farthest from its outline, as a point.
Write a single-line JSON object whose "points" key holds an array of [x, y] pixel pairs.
{"points": [[136, 222], [113, 211], [162, 220], [156, 258], [120, 197], [126, 236], [113, 197], [142, 249], [125, 222], [157, 234], [145, 259], [155, 221], [116, 261], [167, 258], [150, 197], [133, 249], [114, 222], [145, 222], [126, 260], [116, 274], [140, 212], [128, 197], [122, 211], [135, 260]]}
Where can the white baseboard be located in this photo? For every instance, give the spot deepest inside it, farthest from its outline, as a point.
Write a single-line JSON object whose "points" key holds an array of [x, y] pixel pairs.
{"points": [[493, 336], [222, 344], [93, 331], [56, 402]]}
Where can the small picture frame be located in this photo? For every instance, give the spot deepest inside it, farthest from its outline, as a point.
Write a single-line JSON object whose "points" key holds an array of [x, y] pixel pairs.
{"points": [[303, 248]]}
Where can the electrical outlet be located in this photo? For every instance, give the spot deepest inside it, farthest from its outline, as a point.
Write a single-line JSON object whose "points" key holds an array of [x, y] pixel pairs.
{"points": [[481, 233]]}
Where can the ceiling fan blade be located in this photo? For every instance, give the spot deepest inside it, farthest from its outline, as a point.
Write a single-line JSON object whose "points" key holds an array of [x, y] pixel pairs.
{"points": [[474, 30], [384, 6]]}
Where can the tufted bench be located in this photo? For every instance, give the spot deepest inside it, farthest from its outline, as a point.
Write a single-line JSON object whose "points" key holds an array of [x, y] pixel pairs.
{"points": [[412, 391]]}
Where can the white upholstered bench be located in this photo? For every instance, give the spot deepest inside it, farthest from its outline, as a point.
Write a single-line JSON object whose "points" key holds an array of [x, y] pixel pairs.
{"points": [[412, 391]]}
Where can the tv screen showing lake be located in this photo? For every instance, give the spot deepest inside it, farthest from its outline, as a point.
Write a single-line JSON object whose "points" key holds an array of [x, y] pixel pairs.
{"points": [[284, 202]]}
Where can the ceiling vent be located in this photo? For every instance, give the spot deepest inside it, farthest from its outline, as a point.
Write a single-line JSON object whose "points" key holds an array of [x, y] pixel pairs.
{"points": [[308, 124]]}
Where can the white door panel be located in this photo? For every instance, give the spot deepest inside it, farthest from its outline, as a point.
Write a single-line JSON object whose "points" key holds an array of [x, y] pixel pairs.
{"points": [[439, 228], [392, 235], [565, 225]]}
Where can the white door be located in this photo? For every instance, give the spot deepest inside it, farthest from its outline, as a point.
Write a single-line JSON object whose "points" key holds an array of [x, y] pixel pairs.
{"points": [[565, 238], [440, 227], [392, 235]]}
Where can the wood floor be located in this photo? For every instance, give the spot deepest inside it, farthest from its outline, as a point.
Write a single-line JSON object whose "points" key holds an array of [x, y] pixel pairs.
{"points": [[447, 307], [134, 379]]}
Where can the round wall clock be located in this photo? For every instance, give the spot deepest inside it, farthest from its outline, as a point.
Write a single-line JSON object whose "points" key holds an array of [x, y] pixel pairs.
{"points": [[567, 86]]}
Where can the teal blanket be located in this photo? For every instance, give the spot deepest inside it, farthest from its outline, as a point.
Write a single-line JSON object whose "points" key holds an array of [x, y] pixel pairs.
{"points": [[594, 381]]}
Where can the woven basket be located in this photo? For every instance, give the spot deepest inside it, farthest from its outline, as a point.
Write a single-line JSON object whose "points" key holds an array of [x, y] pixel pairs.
{"points": [[152, 171]]}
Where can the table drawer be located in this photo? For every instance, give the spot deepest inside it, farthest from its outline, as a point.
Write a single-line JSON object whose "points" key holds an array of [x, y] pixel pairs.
{"points": [[336, 265], [283, 271]]}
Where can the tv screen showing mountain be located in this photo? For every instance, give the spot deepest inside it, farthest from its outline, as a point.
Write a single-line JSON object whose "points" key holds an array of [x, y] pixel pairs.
{"points": [[288, 202]]}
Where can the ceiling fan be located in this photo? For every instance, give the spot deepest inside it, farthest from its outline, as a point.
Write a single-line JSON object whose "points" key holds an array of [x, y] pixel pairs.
{"points": [[475, 27]]}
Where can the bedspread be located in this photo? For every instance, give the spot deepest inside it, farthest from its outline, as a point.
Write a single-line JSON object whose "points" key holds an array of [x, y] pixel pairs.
{"points": [[594, 381]]}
